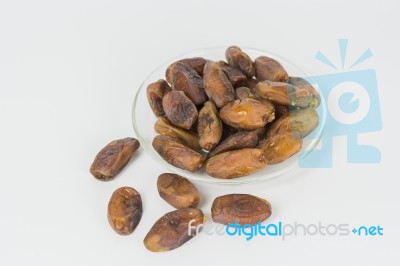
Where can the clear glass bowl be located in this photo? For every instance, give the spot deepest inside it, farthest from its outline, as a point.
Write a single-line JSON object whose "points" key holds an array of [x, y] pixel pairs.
{"points": [[143, 119]]}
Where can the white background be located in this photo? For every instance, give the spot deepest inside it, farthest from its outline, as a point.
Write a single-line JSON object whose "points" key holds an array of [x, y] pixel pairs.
{"points": [[68, 74]]}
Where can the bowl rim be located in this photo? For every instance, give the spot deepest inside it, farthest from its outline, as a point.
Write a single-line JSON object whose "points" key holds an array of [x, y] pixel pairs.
{"points": [[191, 176]]}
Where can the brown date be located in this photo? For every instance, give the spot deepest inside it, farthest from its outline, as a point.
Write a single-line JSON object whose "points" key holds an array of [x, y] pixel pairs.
{"points": [[237, 163], [164, 127], [179, 109], [217, 86], [283, 94], [247, 114], [239, 140], [124, 210], [155, 94], [240, 60], [113, 158], [240, 208], [186, 79], [235, 76], [279, 147], [197, 63], [177, 153], [269, 69], [172, 229], [209, 126], [178, 191]]}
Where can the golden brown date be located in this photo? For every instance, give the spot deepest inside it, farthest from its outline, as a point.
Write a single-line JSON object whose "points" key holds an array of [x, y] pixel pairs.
{"points": [[217, 86], [240, 60], [179, 109], [240, 208], [155, 94], [239, 140], [113, 158], [177, 153], [279, 147], [236, 163], [186, 79], [247, 114], [269, 69], [124, 210], [283, 94], [172, 229], [209, 126], [164, 127], [178, 191]]}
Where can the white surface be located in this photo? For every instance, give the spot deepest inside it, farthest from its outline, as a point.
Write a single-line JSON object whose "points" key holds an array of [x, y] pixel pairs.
{"points": [[68, 73]]}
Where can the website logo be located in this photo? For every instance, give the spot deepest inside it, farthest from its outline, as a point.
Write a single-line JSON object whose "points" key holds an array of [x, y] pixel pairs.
{"points": [[353, 107]]}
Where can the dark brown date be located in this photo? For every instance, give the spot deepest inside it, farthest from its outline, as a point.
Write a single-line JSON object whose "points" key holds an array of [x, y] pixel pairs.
{"points": [[179, 109], [197, 63], [186, 79], [240, 60], [155, 94], [113, 158], [235, 76], [217, 85]]}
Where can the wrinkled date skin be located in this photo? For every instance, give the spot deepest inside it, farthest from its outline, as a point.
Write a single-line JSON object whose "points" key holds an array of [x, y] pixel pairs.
{"points": [[171, 230], [217, 86], [209, 126], [113, 158], [236, 163], [179, 109], [186, 79], [239, 140], [269, 69], [178, 191], [197, 63], [155, 94], [125, 210], [300, 123], [283, 94], [164, 127], [305, 85], [240, 60], [240, 208], [177, 153], [235, 76], [247, 114], [280, 147]]}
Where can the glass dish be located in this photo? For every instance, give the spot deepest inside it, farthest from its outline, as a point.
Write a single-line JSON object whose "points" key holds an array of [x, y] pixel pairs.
{"points": [[143, 119]]}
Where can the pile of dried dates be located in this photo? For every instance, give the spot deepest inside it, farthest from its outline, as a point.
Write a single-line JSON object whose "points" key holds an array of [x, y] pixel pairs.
{"points": [[234, 117]]}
